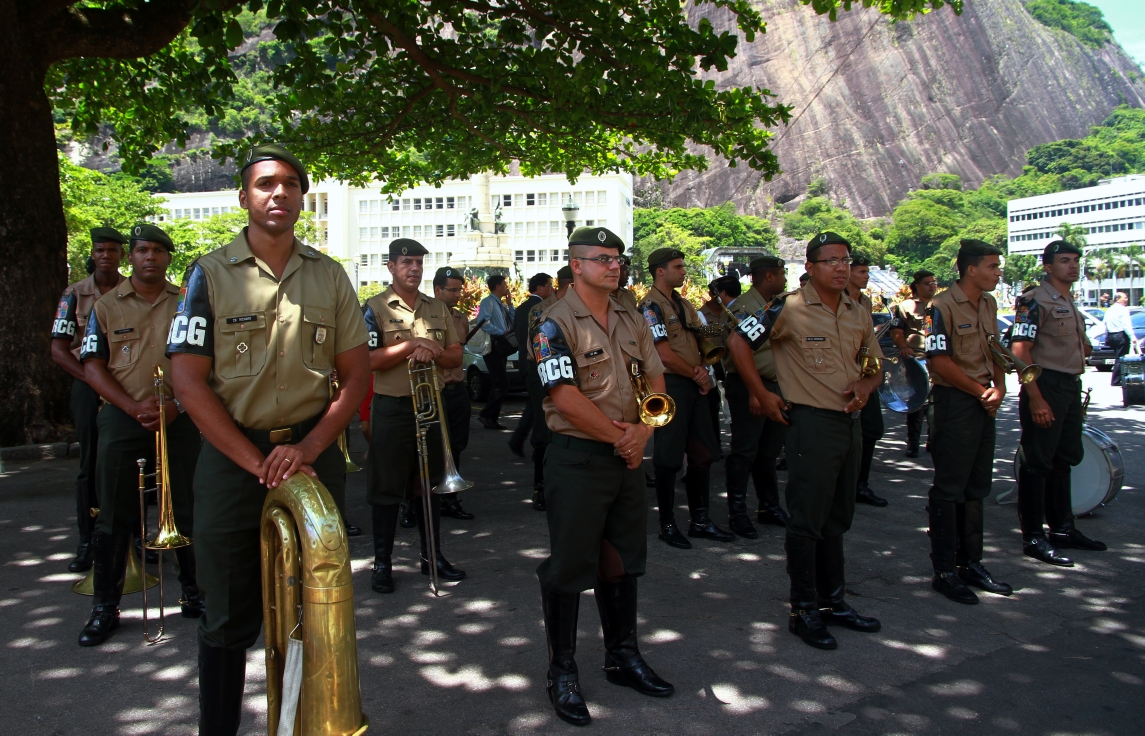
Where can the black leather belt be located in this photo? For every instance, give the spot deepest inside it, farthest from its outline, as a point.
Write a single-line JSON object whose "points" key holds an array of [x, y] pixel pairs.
{"points": [[282, 435], [581, 444]]}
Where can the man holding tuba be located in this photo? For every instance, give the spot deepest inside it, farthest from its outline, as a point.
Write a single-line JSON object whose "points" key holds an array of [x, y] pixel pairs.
{"points": [[260, 325], [121, 347], [1049, 331], [908, 332], [586, 347], [967, 390], [674, 322], [405, 326]]}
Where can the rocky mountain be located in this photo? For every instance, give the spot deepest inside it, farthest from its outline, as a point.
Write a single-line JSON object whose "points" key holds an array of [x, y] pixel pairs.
{"points": [[877, 105]]}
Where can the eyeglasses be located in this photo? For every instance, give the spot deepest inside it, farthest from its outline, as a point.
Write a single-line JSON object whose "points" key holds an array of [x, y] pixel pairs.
{"points": [[453, 291], [833, 262], [605, 261]]}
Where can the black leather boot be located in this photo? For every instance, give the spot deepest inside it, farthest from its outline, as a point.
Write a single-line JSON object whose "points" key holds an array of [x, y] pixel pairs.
{"points": [[109, 556], [623, 664], [384, 520], [451, 507], [805, 621], [970, 569], [831, 587], [697, 482], [913, 432], [83, 559], [538, 497], [943, 552], [1059, 514], [192, 604], [665, 506], [738, 520], [772, 515], [563, 681], [1031, 508], [86, 525], [222, 674], [445, 571], [864, 494], [408, 520]]}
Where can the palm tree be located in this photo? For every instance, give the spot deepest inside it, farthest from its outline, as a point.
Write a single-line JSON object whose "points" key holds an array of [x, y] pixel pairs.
{"points": [[1096, 266], [1074, 235]]}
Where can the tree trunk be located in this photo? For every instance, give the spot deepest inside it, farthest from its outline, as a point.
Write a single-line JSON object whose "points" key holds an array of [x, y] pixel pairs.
{"points": [[33, 246]]}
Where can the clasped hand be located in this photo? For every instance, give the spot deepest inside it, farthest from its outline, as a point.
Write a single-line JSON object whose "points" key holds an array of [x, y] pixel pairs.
{"points": [[631, 445], [424, 350], [146, 412]]}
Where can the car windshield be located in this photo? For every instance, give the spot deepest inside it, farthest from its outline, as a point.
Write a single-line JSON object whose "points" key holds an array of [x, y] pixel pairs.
{"points": [[1138, 320]]}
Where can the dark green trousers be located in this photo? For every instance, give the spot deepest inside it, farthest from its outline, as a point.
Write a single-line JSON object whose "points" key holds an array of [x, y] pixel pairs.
{"points": [[459, 413], [1044, 448], [228, 512], [85, 413], [690, 431], [597, 510], [871, 418], [823, 449], [756, 443], [392, 464], [123, 441], [962, 438], [537, 395]]}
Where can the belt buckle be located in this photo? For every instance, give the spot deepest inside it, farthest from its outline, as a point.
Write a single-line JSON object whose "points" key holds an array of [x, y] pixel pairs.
{"points": [[278, 436]]}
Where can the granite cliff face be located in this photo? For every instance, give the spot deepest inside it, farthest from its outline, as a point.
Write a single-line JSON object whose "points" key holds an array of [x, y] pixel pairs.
{"points": [[878, 105]]}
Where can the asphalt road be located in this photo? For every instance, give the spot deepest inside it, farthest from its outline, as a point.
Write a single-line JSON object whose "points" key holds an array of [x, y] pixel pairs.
{"points": [[1064, 655]]}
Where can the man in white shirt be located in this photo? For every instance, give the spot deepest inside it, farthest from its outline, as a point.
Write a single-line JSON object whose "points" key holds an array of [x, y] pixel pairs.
{"points": [[1119, 332], [496, 318]]}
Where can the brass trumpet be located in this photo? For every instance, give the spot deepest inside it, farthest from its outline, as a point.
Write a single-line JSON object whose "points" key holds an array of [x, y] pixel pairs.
{"points": [[1010, 363], [656, 409]]}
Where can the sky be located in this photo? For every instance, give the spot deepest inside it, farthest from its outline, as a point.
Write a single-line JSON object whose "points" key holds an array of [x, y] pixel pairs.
{"points": [[1127, 18]]}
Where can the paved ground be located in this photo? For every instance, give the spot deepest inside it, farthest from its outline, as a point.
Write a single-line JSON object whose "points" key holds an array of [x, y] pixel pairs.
{"points": [[1064, 655]]}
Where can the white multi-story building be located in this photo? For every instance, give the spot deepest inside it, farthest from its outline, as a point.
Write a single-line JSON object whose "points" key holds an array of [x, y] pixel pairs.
{"points": [[1111, 214], [522, 218]]}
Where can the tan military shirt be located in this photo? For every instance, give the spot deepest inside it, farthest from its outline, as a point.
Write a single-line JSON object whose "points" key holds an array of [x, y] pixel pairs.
{"points": [[626, 297], [272, 341], [910, 316], [748, 303], [390, 321], [73, 310], [672, 321], [1053, 323], [129, 332], [570, 347], [958, 329], [815, 349], [461, 329]]}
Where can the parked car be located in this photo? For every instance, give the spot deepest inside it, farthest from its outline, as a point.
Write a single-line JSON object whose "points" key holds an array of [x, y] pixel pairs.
{"points": [[1096, 312], [477, 380]]}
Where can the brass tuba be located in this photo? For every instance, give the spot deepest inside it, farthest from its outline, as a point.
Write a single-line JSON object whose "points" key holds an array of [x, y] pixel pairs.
{"points": [[710, 352], [307, 586], [1010, 363], [656, 409]]}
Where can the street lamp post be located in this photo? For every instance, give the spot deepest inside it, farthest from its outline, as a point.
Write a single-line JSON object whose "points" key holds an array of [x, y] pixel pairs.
{"points": [[569, 211]]}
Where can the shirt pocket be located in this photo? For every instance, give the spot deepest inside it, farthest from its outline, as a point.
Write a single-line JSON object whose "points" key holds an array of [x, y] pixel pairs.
{"points": [[966, 339], [241, 346], [436, 328], [123, 349], [396, 336], [317, 337], [595, 372], [818, 356], [1059, 325]]}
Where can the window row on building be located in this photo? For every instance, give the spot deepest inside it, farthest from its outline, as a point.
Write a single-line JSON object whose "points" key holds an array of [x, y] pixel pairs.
{"points": [[440, 258], [1111, 204], [551, 199], [411, 204], [554, 255], [1112, 228], [200, 213], [369, 235]]}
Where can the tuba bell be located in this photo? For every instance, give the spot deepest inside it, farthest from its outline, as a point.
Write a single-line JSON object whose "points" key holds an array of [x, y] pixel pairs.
{"points": [[710, 352], [656, 409], [1010, 363], [308, 612]]}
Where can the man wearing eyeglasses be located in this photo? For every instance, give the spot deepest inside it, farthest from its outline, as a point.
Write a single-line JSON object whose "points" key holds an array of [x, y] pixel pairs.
{"points": [[585, 347], [908, 332], [815, 333]]}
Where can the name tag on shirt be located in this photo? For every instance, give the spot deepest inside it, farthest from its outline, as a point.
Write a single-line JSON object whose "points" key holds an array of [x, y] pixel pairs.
{"points": [[125, 330], [816, 339], [240, 320]]}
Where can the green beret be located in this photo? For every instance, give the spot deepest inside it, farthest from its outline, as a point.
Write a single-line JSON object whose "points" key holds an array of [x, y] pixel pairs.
{"points": [[601, 236], [144, 231], [448, 272], [970, 247], [565, 274], [107, 235], [275, 152], [1058, 246], [919, 275], [858, 259], [406, 247], [827, 238], [660, 256], [766, 262]]}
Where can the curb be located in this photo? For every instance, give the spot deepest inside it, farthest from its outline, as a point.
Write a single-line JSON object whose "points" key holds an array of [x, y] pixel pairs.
{"points": [[39, 452]]}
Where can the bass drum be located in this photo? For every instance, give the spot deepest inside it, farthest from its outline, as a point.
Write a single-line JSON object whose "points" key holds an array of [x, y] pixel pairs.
{"points": [[1097, 479], [905, 385]]}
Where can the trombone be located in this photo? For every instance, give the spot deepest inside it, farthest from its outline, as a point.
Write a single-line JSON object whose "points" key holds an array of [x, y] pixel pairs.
{"points": [[343, 439], [167, 537], [656, 409], [1010, 363], [429, 409]]}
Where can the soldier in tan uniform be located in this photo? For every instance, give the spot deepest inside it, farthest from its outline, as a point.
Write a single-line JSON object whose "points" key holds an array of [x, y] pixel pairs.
{"points": [[756, 439], [260, 325], [67, 333], [908, 332], [674, 322], [447, 285], [585, 347], [871, 417], [714, 311], [405, 327], [816, 333], [1049, 331], [623, 294], [122, 345], [967, 389]]}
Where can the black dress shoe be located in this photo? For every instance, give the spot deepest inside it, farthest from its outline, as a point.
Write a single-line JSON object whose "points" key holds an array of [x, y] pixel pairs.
{"points": [[445, 571], [1042, 551], [517, 448], [382, 580], [408, 519], [772, 515], [82, 562], [808, 626], [781, 463], [453, 510], [708, 530], [636, 674], [104, 620], [489, 423], [564, 692], [672, 536], [538, 499], [864, 494], [842, 614], [353, 531], [1076, 540], [951, 586], [193, 606], [912, 452], [741, 525], [978, 576]]}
